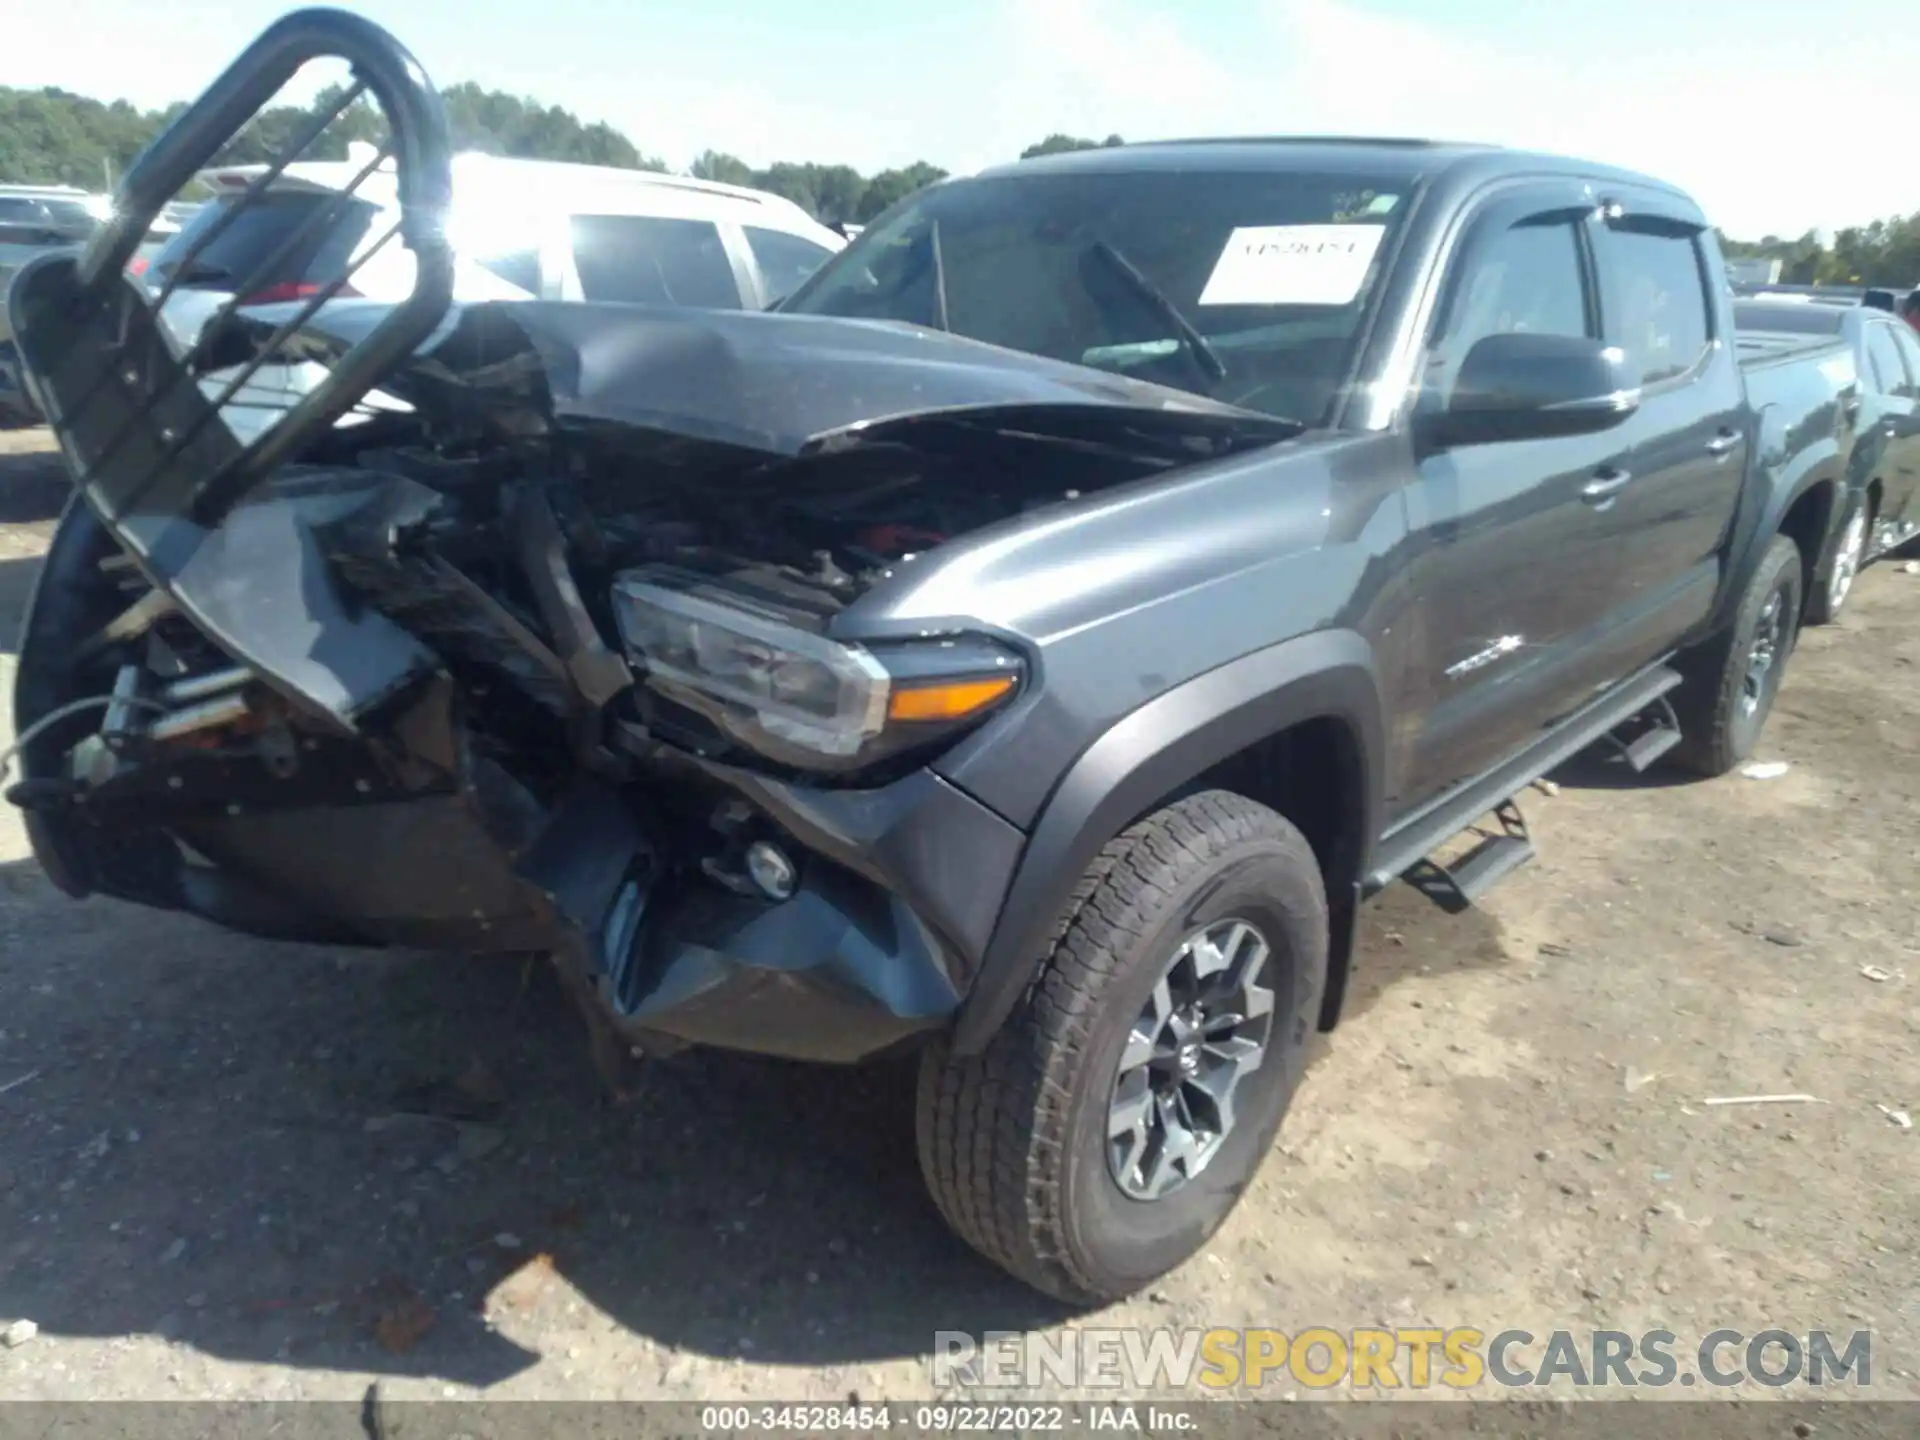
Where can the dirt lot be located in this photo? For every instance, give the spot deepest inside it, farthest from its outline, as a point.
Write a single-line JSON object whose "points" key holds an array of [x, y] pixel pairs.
{"points": [[205, 1189]]}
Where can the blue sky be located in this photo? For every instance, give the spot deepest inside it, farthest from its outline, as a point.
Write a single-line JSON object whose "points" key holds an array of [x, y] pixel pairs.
{"points": [[1775, 127]]}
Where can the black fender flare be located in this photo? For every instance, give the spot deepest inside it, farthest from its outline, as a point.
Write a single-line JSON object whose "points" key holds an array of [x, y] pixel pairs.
{"points": [[1145, 757], [1823, 463]]}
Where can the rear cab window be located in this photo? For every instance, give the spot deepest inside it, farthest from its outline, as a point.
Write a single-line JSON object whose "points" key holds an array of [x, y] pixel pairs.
{"points": [[653, 260], [1657, 302]]}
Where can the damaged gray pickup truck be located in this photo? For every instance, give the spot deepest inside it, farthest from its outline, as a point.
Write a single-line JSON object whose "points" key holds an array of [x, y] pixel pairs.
{"points": [[1029, 645]]}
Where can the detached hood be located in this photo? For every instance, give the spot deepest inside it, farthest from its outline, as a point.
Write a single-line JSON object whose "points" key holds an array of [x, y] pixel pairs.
{"points": [[771, 383]]}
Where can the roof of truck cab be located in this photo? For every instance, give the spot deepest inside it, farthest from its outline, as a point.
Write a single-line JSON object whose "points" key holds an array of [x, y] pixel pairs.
{"points": [[1372, 157]]}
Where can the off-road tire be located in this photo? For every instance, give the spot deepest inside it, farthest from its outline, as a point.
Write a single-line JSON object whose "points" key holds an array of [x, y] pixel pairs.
{"points": [[1715, 736], [1012, 1140]]}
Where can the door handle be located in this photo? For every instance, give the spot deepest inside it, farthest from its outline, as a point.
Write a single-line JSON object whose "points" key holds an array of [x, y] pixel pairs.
{"points": [[1722, 444], [1604, 485]]}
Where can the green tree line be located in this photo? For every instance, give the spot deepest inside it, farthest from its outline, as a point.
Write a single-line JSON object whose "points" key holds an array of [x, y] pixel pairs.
{"points": [[1887, 252], [52, 136]]}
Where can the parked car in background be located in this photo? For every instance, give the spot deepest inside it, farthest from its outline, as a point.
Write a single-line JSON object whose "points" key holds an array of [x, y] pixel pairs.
{"points": [[35, 221], [40, 217], [1882, 502], [36, 218], [521, 229], [547, 229]]}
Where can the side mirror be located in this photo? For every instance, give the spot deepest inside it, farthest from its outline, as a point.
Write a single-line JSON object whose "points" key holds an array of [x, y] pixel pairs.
{"points": [[1535, 387]]}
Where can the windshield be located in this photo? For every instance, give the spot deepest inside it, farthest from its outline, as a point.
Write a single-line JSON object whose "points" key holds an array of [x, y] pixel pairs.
{"points": [[1250, 288]]}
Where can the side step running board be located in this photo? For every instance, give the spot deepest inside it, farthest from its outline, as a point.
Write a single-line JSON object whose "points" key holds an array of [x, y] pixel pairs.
{"points": [[1456, 886], [1647, 736], [1408, 845]]}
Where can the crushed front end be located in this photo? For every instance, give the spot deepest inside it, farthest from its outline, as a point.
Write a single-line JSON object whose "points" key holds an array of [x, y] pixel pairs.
{"points": [[390, 697], [369, 710], [353, 683], [556, 647]]}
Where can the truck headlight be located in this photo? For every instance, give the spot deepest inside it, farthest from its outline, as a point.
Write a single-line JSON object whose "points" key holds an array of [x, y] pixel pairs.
{"points": [[798, 697]]}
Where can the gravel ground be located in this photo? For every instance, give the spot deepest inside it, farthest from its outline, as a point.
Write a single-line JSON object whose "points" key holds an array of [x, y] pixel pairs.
{"points": [[212, 1184]]}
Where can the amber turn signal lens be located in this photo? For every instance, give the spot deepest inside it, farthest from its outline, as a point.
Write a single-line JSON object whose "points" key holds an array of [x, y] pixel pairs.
{"points": [[948, 700]]}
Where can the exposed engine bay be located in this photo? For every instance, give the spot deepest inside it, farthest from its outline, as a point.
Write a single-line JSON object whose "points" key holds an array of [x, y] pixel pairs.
{"points": [[486, 527], [503, 560]]}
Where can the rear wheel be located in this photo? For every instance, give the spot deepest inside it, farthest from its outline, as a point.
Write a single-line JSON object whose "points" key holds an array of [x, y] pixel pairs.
{"points": [[1114, 1121], [1731, 682], [1849, 555]]}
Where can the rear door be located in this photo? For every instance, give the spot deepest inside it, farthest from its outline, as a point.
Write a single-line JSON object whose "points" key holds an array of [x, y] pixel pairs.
{"points": [[1893, 362], [1664, 536], [1507, 580]]}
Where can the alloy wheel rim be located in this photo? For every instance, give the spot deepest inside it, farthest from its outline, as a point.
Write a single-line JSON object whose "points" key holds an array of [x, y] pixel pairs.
{"points": [[1763, 657], [1205, 1028], [1846, 564]]}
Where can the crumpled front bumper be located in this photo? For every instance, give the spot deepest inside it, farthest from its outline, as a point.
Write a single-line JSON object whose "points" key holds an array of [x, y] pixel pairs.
{"points": [[399, 836]]}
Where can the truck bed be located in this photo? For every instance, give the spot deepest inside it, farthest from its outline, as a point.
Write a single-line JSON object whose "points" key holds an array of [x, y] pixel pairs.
{"points": [[1797, 379]]}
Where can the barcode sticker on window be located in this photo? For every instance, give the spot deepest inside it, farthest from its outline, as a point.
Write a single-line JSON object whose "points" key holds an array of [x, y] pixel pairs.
{"points": [[1293, 265]]}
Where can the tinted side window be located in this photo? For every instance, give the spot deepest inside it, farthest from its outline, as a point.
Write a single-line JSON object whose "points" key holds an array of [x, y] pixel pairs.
{"points": [[1528, 278], [1661, 315], [646, 260], [784, 260], [516, 267], [1890, 375]]}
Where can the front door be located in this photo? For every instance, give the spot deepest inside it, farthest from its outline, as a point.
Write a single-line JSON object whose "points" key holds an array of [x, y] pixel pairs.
{"points": [[1504, 582]]}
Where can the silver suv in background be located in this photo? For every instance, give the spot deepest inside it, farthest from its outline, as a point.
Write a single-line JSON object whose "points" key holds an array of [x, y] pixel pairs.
{"points": [[523, 229]]}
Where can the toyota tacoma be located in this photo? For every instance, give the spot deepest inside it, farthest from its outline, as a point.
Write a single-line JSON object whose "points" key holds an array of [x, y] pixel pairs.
{"points": [[1029, 644]]}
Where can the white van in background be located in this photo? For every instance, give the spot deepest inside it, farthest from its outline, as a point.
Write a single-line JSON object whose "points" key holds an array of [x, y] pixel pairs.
{"points": [[549, 229]]}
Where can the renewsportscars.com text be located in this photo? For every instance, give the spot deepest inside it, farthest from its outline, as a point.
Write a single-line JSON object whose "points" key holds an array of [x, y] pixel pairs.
{"points": [[1409, 1358]]}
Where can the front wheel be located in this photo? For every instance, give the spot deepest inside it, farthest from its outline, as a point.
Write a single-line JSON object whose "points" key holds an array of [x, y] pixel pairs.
{"points": [[1732, 681], [1849, 554], [1113, 1122]]}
